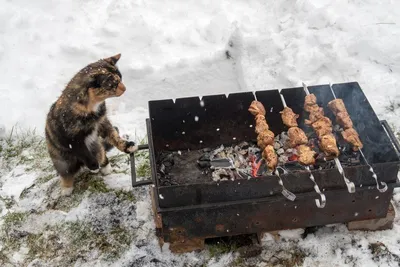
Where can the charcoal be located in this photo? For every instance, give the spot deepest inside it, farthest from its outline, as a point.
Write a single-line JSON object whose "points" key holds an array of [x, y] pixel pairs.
{"points": [[204, 164], [205, 157]]}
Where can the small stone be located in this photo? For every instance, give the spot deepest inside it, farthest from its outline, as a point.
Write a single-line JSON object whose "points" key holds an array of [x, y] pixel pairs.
{"points": [[277, 145], [280, 151], [283, 159]]}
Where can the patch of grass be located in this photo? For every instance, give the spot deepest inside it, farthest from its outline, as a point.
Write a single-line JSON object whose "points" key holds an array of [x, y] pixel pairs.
{"points": [[8, 235], [97, 185], [13, 219], [217, 250], [45, 178], [143, 169], [143, 160], [126, 195], [25, 147], [81, 240], [296, 258], [222, 245], [379, 250], [8, 202], [238, 262]]}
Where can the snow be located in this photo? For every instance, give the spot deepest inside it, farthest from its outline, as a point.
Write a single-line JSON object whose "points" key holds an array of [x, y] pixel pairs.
{"points": [[173, 49], [16, 181]]}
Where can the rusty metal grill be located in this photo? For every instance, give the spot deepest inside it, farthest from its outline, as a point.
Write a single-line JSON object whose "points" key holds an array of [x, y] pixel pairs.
{"points": [[205, 208]]}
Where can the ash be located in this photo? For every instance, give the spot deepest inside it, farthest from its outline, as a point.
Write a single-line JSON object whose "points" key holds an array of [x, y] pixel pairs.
{"points": [[244, 161]]}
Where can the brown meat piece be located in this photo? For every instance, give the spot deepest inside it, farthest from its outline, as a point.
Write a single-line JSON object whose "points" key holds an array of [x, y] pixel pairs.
{"points": [[323, 131], [289, 118], [315, 115], [351, 136], [322, 126], [270, 157], [328, 145], [306, 155], [296, 137], [344, 120], [265, 138], [261, 124], [257, 108], [310, 100], [337, 106]]}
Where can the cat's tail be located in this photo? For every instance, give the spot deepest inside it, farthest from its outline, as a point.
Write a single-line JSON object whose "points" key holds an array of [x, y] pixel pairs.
{"points": [[107, 146]]}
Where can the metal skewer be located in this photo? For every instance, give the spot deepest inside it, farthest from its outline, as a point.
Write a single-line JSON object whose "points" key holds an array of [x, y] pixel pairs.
{"points": [[371, 169], [286, 193], [320, 204], [350, 185]]}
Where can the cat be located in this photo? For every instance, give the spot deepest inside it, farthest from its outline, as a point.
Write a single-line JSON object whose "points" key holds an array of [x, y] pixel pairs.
{"points": [[77, 130]]}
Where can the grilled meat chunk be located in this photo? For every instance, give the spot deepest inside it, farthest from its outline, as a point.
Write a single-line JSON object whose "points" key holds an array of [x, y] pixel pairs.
{"points": [[270, 157], [257, 108], [337, 105], [306, 155], [296, 137], [351, 136], [261, 124], [344, 120], [310, 102], [329, 146], [289, 118], [265, 138], [315, 114], [322, 126]]}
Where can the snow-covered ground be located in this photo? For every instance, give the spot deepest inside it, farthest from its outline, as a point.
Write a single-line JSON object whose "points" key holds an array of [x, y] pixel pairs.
{"points": [[172, 49]]}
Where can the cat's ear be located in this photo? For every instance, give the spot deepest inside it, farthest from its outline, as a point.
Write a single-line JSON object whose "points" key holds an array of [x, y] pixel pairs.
{"points": [[114, 59]]}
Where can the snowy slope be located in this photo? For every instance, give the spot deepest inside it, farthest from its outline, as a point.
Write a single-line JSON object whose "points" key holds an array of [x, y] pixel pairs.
{"points": [[177, 48]]}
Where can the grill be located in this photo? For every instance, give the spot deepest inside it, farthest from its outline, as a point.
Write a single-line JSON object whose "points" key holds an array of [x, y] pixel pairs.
{"points": [[190, 205]]}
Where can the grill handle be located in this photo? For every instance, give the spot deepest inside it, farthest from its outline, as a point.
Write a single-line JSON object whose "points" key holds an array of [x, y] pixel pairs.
{"points": [[392, 137], [133, 169]]}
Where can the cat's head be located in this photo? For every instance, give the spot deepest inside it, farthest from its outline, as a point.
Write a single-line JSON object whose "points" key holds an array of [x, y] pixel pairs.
{"points": [[104, 79]]}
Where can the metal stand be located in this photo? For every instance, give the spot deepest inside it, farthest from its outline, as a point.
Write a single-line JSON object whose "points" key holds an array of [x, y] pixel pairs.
{"points": [[133, 169]]}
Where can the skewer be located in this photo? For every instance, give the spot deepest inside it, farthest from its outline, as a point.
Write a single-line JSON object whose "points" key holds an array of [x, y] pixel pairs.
{"points": [[371, 169], [350, 185], [320, 204], [286, 193]]}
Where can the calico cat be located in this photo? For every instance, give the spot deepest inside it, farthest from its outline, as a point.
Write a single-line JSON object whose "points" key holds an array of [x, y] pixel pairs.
{"points": [[77, 129]]}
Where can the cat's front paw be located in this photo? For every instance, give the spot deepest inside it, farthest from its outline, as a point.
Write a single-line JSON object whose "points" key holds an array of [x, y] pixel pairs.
{"points": [[106, 170], [130, 147], [66, 191]]}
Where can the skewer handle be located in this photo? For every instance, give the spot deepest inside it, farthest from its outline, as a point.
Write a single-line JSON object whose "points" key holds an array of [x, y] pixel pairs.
{"points": [[350, 185], [320, 204], [286, 193]]}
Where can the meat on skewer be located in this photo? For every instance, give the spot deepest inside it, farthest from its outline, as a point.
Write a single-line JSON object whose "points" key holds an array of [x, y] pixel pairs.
{"points": [[322, 126], [350, 135], [270, 157], [297, 137], [265, 137], [306, 155], [289, 118], [328, 145]]}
